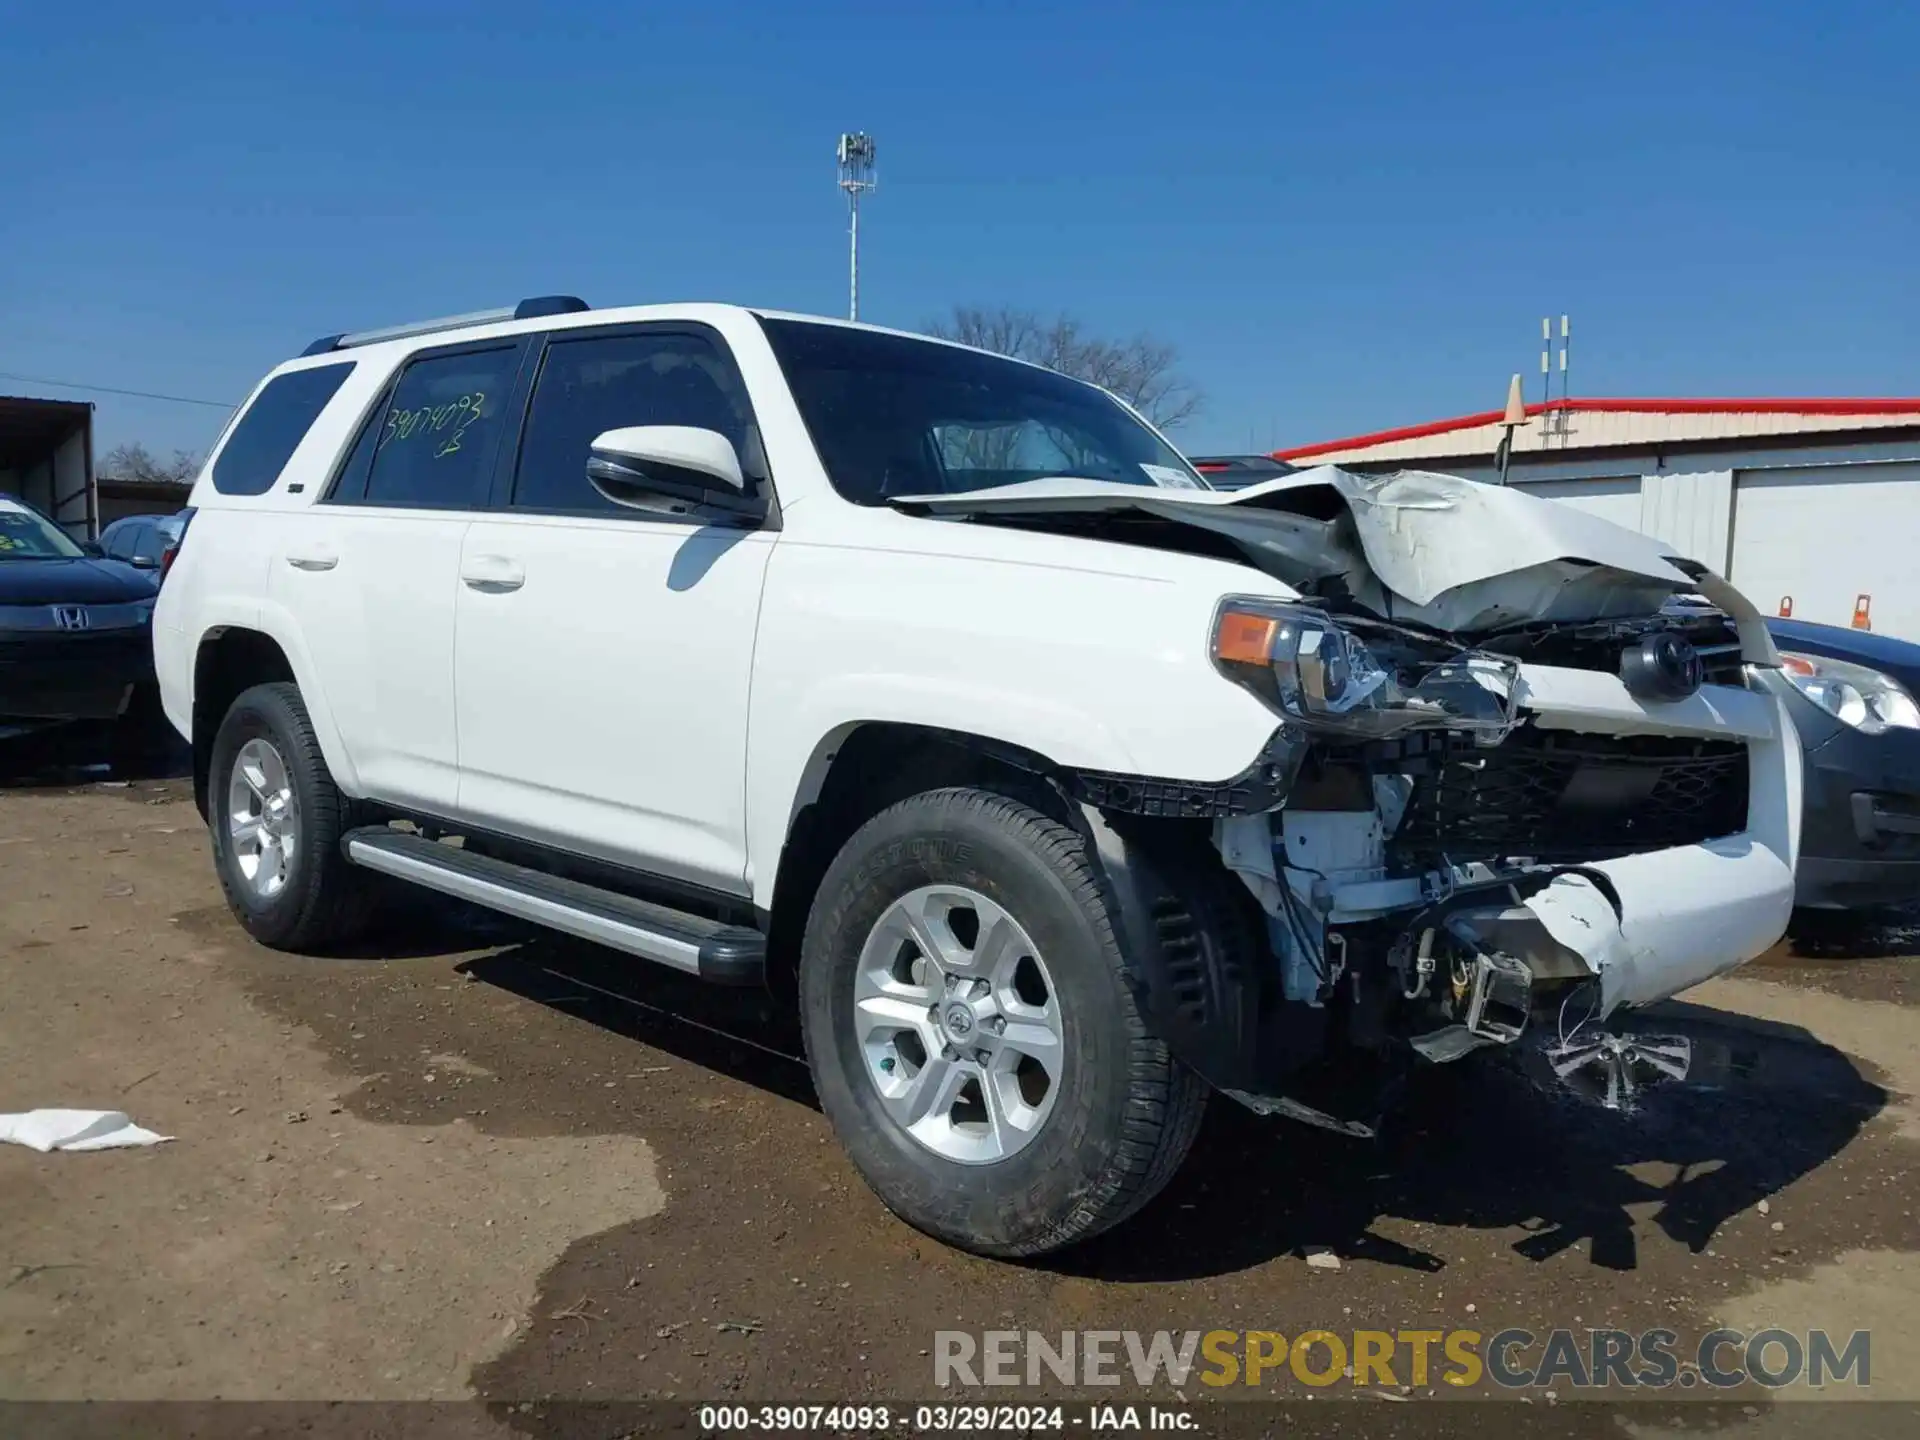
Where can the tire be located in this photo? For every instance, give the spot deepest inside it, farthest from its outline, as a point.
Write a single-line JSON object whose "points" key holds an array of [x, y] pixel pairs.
{"points": [[1117, 1118], [318, 900]]}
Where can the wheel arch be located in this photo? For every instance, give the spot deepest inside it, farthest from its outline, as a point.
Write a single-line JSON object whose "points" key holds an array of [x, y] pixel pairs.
{"points": [[856, 771], [232, 658], [1192, 934]]}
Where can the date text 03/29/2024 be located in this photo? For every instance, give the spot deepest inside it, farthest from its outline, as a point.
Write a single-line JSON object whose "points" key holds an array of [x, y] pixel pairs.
{"points": [[941, 1419]]}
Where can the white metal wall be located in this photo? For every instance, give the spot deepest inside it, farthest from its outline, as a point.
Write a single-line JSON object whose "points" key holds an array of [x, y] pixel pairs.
{"points": [[1827, 534], [1692, 512], [1611, 497], [1820, 534]]}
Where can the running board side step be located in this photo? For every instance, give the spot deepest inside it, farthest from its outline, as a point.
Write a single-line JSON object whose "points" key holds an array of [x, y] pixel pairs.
{"points": [[724, 954]]}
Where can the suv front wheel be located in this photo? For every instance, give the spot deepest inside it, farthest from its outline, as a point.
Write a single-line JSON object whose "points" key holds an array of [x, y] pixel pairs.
{"points": [[276, 819], [972, 1035]]}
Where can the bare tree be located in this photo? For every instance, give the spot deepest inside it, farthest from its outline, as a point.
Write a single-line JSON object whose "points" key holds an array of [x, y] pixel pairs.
{"points": [[135, 462], [1142, 371]]}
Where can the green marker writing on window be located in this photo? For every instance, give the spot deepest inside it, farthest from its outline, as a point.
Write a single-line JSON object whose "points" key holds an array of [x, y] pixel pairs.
{"points": [[448, 421]]}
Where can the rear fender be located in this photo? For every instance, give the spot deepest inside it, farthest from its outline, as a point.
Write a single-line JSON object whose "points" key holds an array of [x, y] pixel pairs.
{"points": [[273, 621]]}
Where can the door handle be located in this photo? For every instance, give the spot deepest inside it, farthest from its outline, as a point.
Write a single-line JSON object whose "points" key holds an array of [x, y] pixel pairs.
{"points": [[493, 574], [318, 558]]}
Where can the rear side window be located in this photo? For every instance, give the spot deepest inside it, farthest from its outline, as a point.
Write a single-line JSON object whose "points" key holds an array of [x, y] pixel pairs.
{"points": [[436, 442], [273, 427]]}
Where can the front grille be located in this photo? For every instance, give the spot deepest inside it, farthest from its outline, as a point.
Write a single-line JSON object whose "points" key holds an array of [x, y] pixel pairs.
{"points": [[1558, 796], [55, 674]]}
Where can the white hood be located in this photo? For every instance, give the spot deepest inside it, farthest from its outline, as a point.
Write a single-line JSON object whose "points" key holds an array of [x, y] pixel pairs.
{"points": [[1437, 549]]}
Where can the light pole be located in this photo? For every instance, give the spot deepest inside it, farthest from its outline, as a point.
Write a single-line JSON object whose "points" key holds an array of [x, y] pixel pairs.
{"points": [[856, 178]]}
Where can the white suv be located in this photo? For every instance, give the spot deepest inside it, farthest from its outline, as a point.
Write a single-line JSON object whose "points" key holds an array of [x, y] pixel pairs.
{"points": [[938, 692]]}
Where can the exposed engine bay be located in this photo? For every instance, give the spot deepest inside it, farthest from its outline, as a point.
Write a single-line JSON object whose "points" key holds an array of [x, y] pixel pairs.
{"points": [[1516, 788]]}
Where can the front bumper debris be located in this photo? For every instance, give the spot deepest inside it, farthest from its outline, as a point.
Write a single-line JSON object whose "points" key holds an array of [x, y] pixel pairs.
{"points": [[1644, 926]]}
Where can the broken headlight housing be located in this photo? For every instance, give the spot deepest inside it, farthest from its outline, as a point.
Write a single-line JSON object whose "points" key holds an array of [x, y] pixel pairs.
{"points": [[1324, 677]]}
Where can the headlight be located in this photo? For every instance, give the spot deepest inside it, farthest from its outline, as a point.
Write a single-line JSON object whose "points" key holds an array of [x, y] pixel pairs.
{"points": [[1325, 678], [1865, 699]]}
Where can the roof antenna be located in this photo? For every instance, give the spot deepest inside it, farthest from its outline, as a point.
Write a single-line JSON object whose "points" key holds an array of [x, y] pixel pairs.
{"points": [[1546, 358], [1566, 378]]}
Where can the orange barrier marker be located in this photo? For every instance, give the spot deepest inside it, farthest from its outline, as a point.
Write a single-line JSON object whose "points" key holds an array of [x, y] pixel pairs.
{"points": [[1861, 619], [1786, 607]]}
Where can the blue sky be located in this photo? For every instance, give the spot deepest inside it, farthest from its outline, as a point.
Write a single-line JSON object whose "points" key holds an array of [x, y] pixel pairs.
{"points": [[1345, 216]]}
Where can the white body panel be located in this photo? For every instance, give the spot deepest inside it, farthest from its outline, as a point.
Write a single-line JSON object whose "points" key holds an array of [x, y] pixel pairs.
{"points": [[602, 699], [371, 593], [1093, 656]]}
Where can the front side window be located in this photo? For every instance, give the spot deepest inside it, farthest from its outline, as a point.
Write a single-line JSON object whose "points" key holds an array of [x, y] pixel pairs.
{"points": [[149, 543], [595, 384], [117, 540], [27, 535], [435, 443], [273, 427], [893, 415]]}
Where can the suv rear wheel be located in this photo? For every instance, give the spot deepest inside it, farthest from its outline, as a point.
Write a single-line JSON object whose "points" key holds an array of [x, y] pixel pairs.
{"points": [[276, 818], [972, 1035]]}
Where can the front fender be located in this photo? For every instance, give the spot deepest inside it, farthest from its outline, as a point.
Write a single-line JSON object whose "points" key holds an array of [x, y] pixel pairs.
{"points": [[1021, 643], [788, 761]]}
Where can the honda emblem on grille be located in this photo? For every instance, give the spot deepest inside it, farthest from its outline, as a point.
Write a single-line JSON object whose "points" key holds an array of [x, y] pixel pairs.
{"points": [[70, 617]]}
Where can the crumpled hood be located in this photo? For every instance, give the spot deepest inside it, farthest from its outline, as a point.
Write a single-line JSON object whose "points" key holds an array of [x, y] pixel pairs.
{"points": [[1416, 545]]}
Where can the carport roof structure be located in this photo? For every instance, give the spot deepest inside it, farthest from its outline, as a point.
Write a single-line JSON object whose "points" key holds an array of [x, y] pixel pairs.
{"points": [[30, 429]]}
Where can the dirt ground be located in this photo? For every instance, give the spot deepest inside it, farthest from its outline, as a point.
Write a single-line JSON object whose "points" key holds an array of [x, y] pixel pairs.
{"points": [[479, 1162]]}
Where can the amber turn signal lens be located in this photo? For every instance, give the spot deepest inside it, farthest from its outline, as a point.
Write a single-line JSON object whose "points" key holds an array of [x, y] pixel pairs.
{"points": [[1244, 638]]}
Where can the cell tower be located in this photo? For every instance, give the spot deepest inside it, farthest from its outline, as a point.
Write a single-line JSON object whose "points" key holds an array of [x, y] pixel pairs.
{"points": [[1559, 421], [856, 178]]}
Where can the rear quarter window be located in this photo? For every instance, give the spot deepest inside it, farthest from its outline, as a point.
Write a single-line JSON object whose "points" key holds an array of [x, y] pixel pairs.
{"points": [[273, 427]]}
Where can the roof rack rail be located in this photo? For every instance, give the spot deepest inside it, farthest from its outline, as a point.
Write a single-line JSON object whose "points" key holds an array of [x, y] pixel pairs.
{"points": [[532, 308]]}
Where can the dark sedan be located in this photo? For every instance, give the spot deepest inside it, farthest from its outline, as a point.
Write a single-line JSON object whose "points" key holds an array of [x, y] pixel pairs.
{"points": [[1851, 695], [76, 639], [1237, 472]]}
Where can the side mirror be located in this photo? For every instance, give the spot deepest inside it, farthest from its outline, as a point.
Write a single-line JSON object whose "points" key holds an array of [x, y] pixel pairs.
{"points": [[143, 562], [672, 469]]}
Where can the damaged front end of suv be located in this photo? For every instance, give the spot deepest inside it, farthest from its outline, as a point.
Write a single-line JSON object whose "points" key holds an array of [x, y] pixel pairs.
{"points": [[1513, 792]]}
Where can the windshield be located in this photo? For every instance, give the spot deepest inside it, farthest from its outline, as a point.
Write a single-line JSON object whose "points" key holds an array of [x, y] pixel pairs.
{"points": [[25, 535], [892, 415]]}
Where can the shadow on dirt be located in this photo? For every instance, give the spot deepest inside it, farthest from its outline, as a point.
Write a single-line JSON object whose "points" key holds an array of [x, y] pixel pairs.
{"points": [[1476, 1145], [1873, 934], [64, 757], [740, 1032], [1484, 1147]]}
